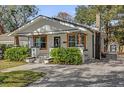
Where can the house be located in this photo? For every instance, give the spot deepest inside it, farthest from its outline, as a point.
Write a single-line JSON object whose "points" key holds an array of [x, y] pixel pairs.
{"points": [[9, 40], [5, 39], [46, 33]]}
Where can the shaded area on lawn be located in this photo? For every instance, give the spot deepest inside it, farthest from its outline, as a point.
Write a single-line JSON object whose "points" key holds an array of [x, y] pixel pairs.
{"points": [[19, 78], [8, 64]]}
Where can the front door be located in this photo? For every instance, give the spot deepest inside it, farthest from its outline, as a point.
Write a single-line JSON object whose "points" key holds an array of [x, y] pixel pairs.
{"points": [[57, 41]]}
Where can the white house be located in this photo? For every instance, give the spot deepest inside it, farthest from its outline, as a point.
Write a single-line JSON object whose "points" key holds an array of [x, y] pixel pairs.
{"points": [[45, 32]]}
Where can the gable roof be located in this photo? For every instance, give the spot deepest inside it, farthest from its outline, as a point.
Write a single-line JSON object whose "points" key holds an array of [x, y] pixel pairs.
{"points": [[77, 24], [60, 21]]}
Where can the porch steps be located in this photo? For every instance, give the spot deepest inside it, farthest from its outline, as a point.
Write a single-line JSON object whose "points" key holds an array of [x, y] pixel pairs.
{"points": [[111, 56], [121, 57], [41, 59]]}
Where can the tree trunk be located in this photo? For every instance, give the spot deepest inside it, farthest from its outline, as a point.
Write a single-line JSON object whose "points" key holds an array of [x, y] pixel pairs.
{"points": [[98, 21], [107, 34]]}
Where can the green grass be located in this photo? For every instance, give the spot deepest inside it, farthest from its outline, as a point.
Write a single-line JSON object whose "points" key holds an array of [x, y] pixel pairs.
{"points": [[19, 78], [8, 64]]}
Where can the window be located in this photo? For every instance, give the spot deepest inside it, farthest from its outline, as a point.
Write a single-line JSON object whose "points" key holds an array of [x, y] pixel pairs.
{"points": [[57, 41], [82, 39], [37, 42], [71, 40], [76, 39], [40, 41]]}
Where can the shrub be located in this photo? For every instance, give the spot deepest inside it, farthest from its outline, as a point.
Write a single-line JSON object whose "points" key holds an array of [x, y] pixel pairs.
{"points": [[4, 46], [16, 53], [2, 78], [70, 56]]}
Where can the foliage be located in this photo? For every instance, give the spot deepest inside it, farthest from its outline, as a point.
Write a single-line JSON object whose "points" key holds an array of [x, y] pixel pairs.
{"points": [[119, 36], [4, 46], [108, 13], [19, 78], [65, 16], [16, 53], [87, 14], [12, 17], [118, 32], [70, 56]]}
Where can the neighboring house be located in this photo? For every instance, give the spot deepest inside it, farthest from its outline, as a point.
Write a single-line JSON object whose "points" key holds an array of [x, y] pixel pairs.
{"points": [[5, 39], [9, 40], [46, 33]]}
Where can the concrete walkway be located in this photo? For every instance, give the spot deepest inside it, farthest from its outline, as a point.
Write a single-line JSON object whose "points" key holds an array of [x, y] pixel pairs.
{"points": [[86, 75], [99, 75], [29, 66]]}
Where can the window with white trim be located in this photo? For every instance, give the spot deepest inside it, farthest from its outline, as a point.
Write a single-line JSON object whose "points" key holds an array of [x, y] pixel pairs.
{"points": [[40, 41], [71, 40]]}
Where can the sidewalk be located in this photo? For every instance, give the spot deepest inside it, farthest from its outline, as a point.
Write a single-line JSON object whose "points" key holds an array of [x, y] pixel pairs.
{"points": [[23, 67]]}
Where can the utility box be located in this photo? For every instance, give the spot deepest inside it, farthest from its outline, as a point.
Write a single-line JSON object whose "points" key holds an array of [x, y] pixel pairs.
{"points": [[112, 50], [35, 51]]}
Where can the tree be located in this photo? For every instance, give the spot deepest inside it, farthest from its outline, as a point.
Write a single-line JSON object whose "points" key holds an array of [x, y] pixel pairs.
{"points": [[65, 16], [117, 29], [87, 15], [12, 17]]}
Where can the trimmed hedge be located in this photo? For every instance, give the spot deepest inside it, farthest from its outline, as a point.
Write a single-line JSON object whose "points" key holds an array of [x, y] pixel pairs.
{"points": [[16, 53], [70, 56]]}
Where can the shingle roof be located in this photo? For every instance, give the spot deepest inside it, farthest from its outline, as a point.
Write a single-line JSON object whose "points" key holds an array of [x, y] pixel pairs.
{"points": [[92, 29], [73, 23], [77, 24]]}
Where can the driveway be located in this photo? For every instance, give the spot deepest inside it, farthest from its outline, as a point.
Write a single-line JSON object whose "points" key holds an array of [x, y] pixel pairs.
{"points": [[87, 75], [98, 74]]}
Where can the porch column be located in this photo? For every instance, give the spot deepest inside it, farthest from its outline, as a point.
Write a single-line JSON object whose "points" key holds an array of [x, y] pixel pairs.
{"points": [[85, 36], [76, 39], [16, 40], [30, 42], [79, 39]]}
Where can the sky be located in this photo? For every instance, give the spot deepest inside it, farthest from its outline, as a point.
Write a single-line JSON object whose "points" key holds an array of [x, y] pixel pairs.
{"points": [[53, 10]]}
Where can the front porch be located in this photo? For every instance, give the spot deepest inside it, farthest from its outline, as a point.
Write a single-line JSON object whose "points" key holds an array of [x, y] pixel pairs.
{"points": [[47, 41]]}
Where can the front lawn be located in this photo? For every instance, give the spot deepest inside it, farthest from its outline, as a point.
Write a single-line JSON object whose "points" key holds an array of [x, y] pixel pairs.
{"points": [[19, 78], [8, 64]]}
